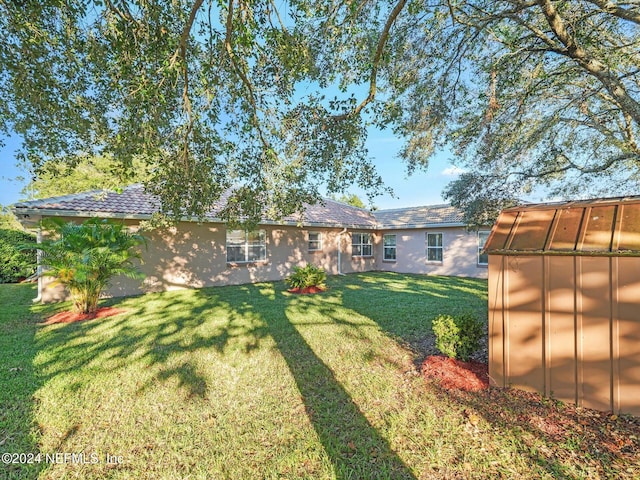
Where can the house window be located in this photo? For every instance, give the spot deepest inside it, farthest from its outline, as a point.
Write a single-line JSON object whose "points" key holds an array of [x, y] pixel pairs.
{"points": [[483, 258], [315, 241], [434, 247], [389, 247], [246, 246], [361, 245]]}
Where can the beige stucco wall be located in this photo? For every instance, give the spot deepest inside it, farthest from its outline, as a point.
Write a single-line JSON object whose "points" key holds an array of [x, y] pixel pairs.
{"points": [[460, 253], [193, 255]]}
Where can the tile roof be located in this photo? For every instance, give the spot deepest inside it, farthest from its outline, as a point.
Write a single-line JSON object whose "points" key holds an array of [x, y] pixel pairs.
{"points": [[416, 217], [332, 212], [134, 202]]}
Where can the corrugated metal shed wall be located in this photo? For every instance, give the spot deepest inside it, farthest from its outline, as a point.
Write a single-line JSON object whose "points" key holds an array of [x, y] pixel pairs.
{"points": [[564, 302]]}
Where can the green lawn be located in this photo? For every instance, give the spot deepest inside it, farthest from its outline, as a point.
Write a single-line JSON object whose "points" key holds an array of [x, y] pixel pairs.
{"points": [[253, 382]]}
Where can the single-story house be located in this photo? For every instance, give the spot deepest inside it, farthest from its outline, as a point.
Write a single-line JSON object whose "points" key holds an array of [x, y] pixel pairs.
{"points": [[337, 237]]}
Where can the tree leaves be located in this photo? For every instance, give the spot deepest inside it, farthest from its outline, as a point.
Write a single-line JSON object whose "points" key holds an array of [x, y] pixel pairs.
{"points": [[276, 99]]}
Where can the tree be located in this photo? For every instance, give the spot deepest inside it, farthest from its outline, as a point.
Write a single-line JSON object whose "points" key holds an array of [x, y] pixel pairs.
{"points": [[8, 220], [57, 177], [553, 100], [85, 257], [350, 199], [16, 264], [275, 98]]}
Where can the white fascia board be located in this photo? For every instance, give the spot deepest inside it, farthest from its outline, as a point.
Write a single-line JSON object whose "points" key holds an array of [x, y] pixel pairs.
{"points": [[74, 213]]}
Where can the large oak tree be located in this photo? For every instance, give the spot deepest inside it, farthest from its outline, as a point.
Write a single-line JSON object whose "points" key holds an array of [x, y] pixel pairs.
{"points": [[275, 97]]}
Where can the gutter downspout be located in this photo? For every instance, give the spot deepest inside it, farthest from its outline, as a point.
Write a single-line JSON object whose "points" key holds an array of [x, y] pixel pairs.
{"points": [[344, 230], [39, 267]]}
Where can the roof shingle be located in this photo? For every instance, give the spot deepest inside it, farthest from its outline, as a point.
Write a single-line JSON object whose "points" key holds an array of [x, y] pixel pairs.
{"points": [[135, 202], [415, 217]]}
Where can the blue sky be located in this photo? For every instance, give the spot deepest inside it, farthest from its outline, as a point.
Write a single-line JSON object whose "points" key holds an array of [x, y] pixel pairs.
{"points": [[422, 188], [10, 187]]}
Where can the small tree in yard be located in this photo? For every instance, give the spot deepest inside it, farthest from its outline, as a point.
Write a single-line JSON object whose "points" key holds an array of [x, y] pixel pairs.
{"points": [[457, 337], [85, 257]]}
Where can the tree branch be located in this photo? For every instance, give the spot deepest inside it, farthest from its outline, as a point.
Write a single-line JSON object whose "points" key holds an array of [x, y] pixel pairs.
{"points": [[124, 14], [228, 43], [592, 66], [181, 53], [613, 9], [186, 31], [275, 9], [376, 62], [588, 170]]}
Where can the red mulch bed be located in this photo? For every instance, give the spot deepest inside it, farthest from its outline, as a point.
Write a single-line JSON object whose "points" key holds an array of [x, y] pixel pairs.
{"points": [[607, 442], [70, 317], [307, 290], [452, 374]]}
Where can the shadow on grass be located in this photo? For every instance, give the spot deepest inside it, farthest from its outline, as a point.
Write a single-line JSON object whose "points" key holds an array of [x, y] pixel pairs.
{"points": [[153, 332], [222, 319], [404, 305], [353, 445], [225, 318], [18, 379]]}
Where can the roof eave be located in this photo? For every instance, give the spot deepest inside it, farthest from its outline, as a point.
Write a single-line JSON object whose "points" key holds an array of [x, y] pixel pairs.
{"points": [[17, 211]]}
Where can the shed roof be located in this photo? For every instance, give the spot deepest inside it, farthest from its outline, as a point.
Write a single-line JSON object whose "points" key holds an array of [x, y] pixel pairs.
{"points": [[135, 203], [607, 226]]}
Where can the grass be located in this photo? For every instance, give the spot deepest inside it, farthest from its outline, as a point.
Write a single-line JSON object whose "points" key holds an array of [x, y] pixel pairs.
{"points": [[253, 382]]}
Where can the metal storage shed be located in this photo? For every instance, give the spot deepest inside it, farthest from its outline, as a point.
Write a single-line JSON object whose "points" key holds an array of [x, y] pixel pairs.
{"points": [[564, 302]]}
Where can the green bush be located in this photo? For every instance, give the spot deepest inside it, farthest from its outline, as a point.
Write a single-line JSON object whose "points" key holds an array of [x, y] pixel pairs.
{"points": [[457, 337], [16, 264], [85, 257], [308, 276]]}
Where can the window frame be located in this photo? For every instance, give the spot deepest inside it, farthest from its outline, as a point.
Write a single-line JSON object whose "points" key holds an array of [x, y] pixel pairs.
{"points": [[393, 247], [361, 245], [246, 245], [318, 241], [480, 247], [434, 247]]}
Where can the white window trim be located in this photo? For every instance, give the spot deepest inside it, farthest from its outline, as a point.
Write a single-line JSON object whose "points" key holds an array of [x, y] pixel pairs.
{"points": [[319, 241], [362, 244], [482, 264], [384, 248], [427, 247], [246, 247]]}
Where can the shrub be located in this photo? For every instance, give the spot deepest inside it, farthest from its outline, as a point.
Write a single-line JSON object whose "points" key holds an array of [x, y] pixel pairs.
{"points": [[16, 263], [457, 337], [308, 276], [84, 257]]}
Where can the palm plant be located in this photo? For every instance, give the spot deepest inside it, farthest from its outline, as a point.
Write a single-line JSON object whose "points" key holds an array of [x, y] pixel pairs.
{"points": [[85, 257], [308, 276]]}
